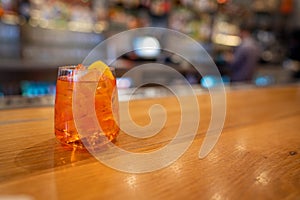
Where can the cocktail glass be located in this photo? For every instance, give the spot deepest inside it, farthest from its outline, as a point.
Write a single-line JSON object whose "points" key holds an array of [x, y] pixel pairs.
{"points": [[95, 92]]}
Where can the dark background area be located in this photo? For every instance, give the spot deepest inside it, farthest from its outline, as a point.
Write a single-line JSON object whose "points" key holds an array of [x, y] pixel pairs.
{"points": [[38, 36]]}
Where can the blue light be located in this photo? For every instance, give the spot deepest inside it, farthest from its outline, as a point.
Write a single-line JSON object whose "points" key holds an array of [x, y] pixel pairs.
{"points": [[210, 81], [33, 89], [263, 80]]}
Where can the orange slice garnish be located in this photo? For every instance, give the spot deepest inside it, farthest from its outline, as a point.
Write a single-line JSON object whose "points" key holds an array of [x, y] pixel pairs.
{"points": [[103, 68]]}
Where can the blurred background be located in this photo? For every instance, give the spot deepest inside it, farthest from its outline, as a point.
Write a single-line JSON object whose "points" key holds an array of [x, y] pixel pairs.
{"points": [[37, 36]]}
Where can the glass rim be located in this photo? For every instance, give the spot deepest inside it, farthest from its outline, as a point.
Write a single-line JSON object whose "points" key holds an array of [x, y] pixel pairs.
{"points": [[67, 67], [73, 67]]}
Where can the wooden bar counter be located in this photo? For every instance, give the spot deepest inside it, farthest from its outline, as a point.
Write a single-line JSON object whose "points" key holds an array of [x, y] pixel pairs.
{"points": [[257, 155]]}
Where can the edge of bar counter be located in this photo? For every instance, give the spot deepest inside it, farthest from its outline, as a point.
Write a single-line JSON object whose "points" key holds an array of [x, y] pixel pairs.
{"points": [[18, 101]]}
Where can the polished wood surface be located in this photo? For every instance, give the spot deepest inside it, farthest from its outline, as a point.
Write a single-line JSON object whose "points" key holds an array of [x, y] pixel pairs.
{"points": [[256, 157]]}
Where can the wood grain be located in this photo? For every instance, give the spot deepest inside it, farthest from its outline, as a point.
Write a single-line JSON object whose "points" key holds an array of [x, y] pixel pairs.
{"points": [[256, 157]]}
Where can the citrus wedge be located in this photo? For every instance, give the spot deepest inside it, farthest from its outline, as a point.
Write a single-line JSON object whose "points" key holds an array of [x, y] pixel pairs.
{"points": [[102, 67]]}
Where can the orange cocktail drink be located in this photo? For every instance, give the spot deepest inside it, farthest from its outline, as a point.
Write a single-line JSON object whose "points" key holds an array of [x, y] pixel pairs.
{"points": [[105, 100]]}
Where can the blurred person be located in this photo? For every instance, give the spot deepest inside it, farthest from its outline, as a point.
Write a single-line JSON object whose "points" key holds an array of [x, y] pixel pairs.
{"points": [[243, 64], [293, 54]]}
